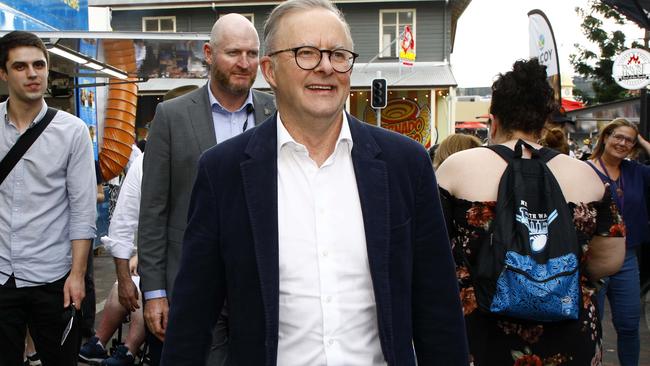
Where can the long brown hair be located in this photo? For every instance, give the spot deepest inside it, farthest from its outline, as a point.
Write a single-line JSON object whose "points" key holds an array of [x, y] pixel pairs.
{"points": [[607, 130]]}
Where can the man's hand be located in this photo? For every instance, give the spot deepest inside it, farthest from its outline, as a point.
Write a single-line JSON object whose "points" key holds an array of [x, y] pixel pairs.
{"points": [[74, 290], [133, 265], [156, 312], [127, 294]]}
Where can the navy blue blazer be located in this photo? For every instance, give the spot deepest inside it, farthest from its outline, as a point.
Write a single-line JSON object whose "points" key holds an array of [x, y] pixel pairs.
{"points": [[230, 250]]}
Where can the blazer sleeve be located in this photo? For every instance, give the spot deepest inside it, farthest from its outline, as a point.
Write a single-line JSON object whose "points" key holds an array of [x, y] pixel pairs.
{"points": [[200, 288], [438, 324], [154, 204]]}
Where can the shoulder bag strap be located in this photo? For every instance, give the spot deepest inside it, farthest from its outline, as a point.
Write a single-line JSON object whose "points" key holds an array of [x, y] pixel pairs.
{"points": [[22, 145]]}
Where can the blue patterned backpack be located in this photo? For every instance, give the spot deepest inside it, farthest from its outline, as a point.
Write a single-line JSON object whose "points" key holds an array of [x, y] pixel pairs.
{"points": [[528, 268]]}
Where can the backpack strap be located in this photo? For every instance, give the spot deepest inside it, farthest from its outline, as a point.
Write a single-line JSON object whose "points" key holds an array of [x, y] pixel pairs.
{"points": [[546, 154], [504, 152], [24, 142]]}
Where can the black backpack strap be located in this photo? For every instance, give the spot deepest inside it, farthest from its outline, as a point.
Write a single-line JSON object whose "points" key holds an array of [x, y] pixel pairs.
{"points": [[547, 154], [504, 152], [22, 145]]}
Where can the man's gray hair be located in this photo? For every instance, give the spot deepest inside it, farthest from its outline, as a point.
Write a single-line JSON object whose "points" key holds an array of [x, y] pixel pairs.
{"points": [[273, 21]]}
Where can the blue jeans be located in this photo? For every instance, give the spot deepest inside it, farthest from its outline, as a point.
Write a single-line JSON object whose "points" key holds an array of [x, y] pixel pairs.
{"points": [[623, 291]]}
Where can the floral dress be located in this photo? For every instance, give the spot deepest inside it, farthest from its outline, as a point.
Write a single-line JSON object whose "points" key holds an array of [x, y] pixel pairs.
{"points": [[501, 341]]}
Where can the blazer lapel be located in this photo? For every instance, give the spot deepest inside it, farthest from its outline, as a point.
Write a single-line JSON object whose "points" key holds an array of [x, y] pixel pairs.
{"points": [[372, 183], [264, 107], [259, 175], [200, 112]]}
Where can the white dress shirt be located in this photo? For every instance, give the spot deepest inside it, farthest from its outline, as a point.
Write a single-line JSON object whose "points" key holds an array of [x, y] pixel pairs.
{"points": [[327, 310], [120, 241]]}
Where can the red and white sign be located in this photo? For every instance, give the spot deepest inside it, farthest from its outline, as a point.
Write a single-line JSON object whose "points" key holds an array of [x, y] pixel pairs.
{"points": [[407, 47]]}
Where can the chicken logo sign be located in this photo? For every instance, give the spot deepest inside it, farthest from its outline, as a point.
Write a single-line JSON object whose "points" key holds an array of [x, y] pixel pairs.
{"points": [[631, 69], [407, 47]]}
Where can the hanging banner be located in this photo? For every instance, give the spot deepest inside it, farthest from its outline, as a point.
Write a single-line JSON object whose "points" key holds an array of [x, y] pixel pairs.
{"points": [[407, 48], [542, 45], [44, 15], [87, 97]]}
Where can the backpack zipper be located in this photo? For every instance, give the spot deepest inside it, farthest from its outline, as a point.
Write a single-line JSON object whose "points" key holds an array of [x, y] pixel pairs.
{"points": [[523, 273]]}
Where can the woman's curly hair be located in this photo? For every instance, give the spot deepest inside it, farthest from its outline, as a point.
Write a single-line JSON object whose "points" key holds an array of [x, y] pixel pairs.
{"points": [[522, 99]]}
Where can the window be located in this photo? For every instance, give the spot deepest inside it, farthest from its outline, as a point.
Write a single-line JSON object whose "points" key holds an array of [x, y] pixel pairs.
{"points": [[159, 24], [391, 26], [249, 16]]}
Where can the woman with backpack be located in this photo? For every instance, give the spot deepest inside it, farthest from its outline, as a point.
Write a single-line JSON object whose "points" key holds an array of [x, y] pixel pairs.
{"points": [[476, 203], [628, 181]]}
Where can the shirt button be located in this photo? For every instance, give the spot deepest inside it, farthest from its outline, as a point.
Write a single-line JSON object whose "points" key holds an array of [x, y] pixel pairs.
{"points": [[330, 342], [328, 299], [325, 253]]}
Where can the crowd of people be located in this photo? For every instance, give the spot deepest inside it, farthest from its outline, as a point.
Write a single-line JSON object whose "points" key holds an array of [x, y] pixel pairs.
{"points": [[280, 230]]}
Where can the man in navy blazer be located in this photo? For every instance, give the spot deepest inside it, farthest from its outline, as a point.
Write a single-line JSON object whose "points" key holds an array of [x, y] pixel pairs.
{"points": [[325, 234]]}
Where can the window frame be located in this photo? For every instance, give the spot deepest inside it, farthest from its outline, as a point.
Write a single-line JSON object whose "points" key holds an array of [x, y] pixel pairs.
{"points": [[158, 18], [397, 27]]}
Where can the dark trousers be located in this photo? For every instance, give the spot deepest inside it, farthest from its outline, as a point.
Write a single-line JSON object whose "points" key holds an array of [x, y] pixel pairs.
{"points": [[88, 305], [41, 309], [155, 347]]}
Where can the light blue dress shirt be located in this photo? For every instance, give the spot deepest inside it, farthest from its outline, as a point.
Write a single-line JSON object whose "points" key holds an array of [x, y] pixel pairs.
{"points": [[228, 124], [48, 199]]}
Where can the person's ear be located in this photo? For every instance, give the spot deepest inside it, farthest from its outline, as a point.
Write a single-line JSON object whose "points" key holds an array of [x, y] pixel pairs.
{"points": [[494, 127], [207, 53], [3, 75], [268, 70]]}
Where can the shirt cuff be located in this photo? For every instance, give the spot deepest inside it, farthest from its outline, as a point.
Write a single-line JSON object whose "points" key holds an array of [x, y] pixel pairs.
{"points": [[117, 248], [155, 294]]}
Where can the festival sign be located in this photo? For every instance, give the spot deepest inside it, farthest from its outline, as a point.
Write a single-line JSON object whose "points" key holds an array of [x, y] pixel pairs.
{"points": [[631, 69], [543, 46], [407, 47], [404, 116]]}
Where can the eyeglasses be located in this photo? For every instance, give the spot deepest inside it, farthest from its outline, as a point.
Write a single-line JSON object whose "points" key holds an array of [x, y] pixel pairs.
{"points": [[308, 58], [618, 138]]}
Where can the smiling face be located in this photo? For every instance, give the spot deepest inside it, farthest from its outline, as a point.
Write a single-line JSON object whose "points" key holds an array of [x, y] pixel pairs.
{"points": [[26, 74], [620, 143], [308, 94]]}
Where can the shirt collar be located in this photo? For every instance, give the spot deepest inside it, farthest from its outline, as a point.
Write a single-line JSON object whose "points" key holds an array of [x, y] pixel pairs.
{"points": [[217, 107], [285, 138], [4, 112]]}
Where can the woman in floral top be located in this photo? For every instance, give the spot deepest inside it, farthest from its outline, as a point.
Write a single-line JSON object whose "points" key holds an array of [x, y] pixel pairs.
{"points": [[521, 102]]}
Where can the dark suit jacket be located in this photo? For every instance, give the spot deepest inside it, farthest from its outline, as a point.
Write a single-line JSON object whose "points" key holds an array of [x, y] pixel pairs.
{"points": [[230, 250], [181, 131]]}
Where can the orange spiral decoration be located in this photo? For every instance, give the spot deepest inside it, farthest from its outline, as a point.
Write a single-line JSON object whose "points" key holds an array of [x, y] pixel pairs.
{"points": [[121, 106]]}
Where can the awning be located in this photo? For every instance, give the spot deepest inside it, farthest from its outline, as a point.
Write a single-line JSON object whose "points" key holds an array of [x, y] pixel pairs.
{"points": [[470, 125], [423, 74], [570, 105]]}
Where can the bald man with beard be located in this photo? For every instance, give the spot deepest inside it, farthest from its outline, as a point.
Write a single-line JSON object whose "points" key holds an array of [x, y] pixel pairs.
{"points": [[182, 129]]}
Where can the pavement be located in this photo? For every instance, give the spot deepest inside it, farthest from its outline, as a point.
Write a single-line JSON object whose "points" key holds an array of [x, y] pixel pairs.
{"points": [[105, 277]]}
